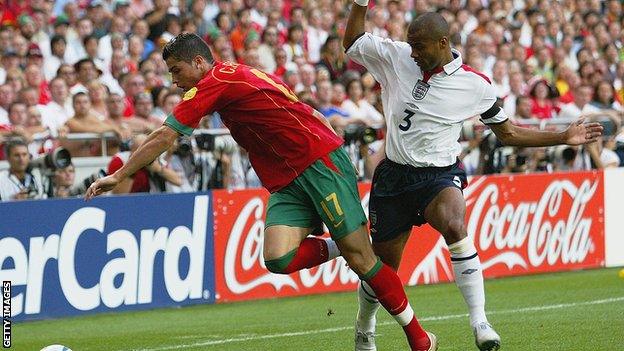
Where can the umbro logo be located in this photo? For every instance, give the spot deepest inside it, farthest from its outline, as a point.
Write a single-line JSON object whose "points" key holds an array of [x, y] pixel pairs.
{"points": [[457, 181], [469, 271]]}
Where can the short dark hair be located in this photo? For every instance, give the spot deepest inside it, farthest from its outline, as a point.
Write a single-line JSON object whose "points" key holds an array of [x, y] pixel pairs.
{"points": [[77, 95], [13, 143], [83, 61], [15, 103], [57, 38], [185, 47]]}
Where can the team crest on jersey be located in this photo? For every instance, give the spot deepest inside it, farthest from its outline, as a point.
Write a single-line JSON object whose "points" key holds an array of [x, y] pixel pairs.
{"points": [[420, 90], [190, 94]]}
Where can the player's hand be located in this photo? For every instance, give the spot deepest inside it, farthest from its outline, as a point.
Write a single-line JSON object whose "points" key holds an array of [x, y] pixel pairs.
{"points": [[579, 133], [101, 186]]}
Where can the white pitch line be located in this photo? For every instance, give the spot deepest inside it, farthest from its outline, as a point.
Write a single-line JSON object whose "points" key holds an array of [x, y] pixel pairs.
{"points": [[424, 319]]}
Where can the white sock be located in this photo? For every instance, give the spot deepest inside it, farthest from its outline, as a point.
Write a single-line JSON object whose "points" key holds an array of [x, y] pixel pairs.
{"points": [[469, 277], [332, 249], [404, 318], [367, 311]]}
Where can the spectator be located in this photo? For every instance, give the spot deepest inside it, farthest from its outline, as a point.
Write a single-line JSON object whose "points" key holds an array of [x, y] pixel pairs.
{"points": [[68, 73], [34, 79], [242, 31], [173, 27], [308, 78], [156, 19], [158, 98], [604, 97], [115, 104], [357, 107], [75, 45], [336, 115], [315, 36], [58, 45], [143, 110], [170, 100], [333, 57], [135, 50], [500, 79], [268, 48], [7, 96], [516, 89], [141, 30], [581, 104], [98, 94], [91, 43], [251, 58], [118, 27], [133, 84], [294, 43], [281, 62], [542, 105], [84, 121], [87, 72], [18, 183], [18, 118], [59, 109]]}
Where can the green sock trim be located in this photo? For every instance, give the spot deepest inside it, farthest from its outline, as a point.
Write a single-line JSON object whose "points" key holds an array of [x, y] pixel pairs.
{"points": [[278, 265], [373, 271]]}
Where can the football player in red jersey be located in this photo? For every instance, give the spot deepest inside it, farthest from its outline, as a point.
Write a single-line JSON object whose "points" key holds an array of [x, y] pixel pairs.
{"points": [[298, 158]]}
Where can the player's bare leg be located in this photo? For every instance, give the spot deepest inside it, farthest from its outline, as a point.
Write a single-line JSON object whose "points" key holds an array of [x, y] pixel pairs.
{"points": [[446, 215], [386, 286], [288, 249], [390, 253]]}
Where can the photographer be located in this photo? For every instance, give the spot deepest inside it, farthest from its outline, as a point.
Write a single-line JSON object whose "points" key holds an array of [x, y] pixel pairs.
{"points": [[365, 146], [179, 159], [214, 161], [63, 181], [148, 179], [19, 183]]}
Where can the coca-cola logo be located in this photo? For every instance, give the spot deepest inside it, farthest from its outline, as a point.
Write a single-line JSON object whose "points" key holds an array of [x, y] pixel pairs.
{"points": [[552, 233], [243, 254], [512, 230]]}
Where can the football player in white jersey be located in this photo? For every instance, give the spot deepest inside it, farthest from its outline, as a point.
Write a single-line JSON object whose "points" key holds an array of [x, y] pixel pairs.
{"points": [[427, 93]]}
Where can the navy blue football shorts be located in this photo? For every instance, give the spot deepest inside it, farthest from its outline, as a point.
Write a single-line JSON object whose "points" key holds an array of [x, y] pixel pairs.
{"points": [[400, 194]]}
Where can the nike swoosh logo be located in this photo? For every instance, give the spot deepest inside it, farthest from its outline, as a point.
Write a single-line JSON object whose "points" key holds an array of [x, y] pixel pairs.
{"points": [[336, 225]]}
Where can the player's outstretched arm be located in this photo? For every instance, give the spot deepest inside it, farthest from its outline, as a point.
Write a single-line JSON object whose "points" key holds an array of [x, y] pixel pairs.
{"points": [[577, 133], [355, 23], [156, 143]]}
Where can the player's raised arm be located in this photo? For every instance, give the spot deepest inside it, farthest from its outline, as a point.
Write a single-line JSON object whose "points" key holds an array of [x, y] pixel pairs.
{"points": [[156, 143], [355, 23]]}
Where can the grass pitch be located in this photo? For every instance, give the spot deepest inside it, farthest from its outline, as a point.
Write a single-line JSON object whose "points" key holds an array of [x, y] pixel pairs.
{"points": [[572, 311]]}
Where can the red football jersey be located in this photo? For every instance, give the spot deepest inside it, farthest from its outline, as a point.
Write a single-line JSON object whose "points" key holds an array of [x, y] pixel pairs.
{"points": [[264, 116]]}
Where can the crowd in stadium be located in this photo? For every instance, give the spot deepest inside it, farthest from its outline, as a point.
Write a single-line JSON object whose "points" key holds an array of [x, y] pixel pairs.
{"points": [[95, 66]]}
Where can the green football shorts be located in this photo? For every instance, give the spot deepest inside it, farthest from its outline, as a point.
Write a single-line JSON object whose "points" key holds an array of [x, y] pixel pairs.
{"points": [[326, 192]]}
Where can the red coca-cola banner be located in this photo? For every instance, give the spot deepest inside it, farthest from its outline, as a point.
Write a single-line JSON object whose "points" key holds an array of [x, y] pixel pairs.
{"points": [[521, 224], [240, 273]]}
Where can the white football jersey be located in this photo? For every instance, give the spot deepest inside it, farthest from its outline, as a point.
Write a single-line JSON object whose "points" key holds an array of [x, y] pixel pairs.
{"points": [[424, 111]]}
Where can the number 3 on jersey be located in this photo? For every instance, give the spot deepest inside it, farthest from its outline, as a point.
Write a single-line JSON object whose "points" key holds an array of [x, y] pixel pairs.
{"points": [[406, 119]]}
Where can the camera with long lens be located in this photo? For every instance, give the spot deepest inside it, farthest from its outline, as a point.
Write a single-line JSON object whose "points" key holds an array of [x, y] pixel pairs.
{"points": [[185, 148], [84, 184], [205, 141], [59, 158], [360, 134]]}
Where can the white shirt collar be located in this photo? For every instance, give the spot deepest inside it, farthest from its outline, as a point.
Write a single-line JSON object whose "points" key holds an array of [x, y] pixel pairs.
{"points": [[454, 65]]}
